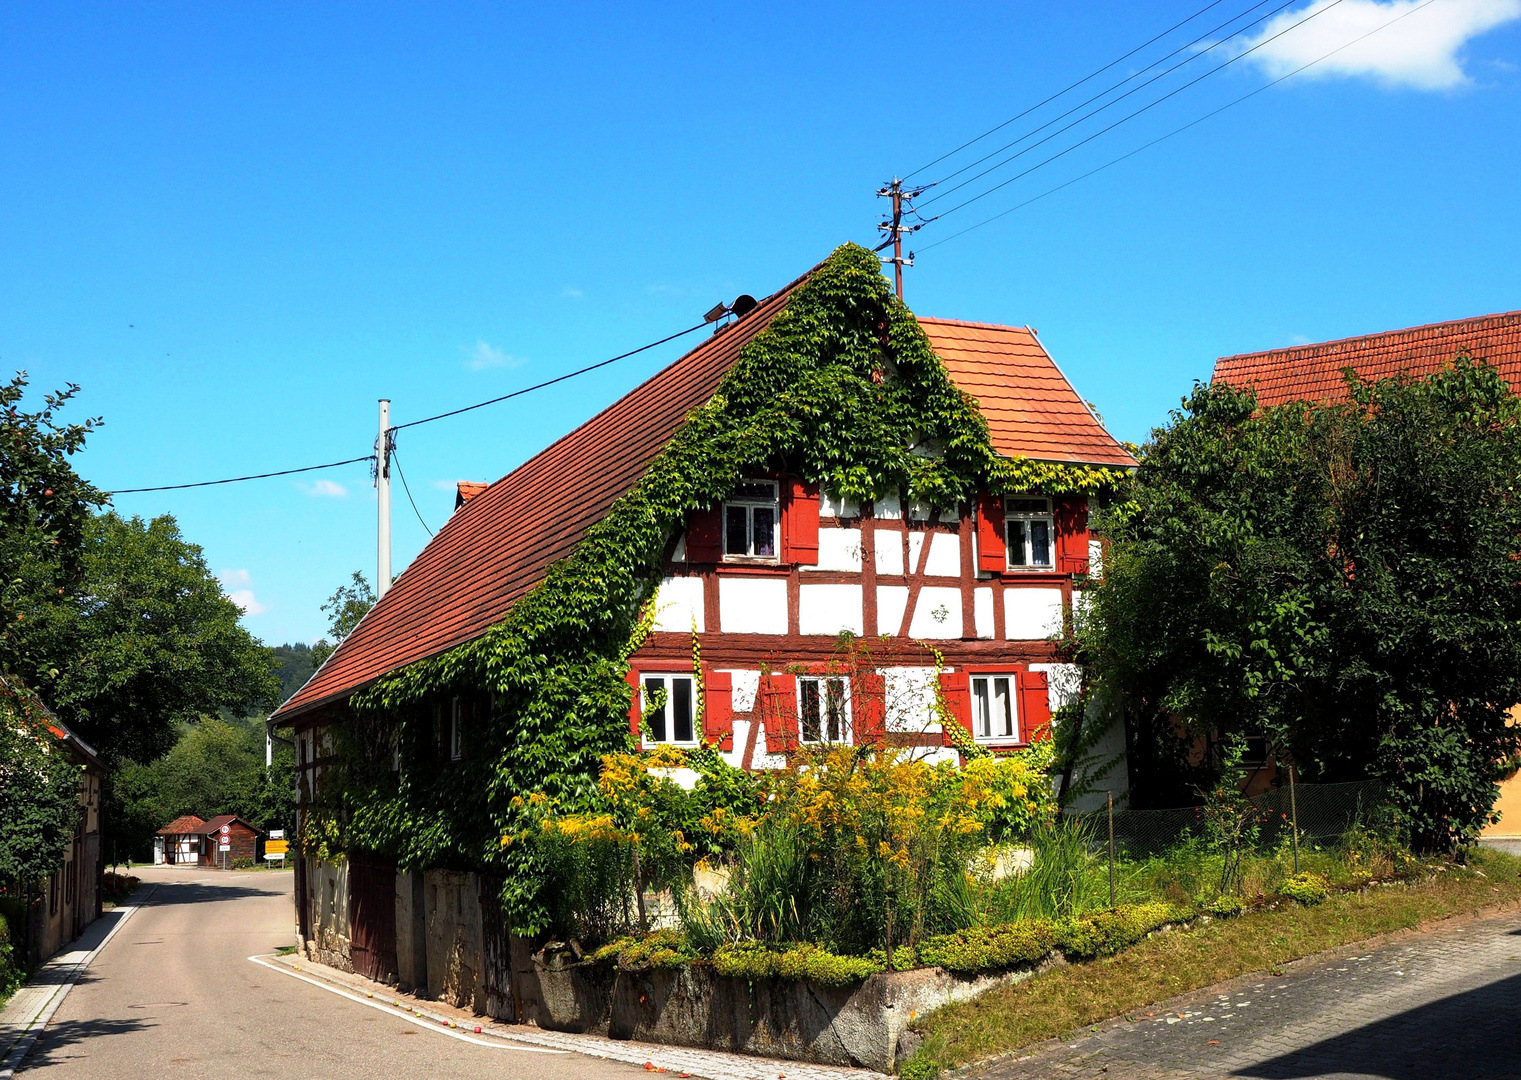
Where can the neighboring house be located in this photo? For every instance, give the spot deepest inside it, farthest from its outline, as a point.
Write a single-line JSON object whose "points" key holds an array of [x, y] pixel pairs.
{"points": [[764, 582], [1317, 373], [189, 841], [179, 842]]}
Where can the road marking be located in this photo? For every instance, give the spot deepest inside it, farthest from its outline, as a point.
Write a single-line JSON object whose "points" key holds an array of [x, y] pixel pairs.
{"points": [[498, 1044]]}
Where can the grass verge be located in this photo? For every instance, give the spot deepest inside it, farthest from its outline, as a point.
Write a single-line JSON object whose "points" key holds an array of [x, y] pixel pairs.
{"points": [[1057, 1002]]}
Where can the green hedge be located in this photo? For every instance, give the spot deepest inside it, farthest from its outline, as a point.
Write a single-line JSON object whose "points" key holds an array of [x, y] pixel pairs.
{"points": [[984, 947], [1107, 932], [753, 960]]}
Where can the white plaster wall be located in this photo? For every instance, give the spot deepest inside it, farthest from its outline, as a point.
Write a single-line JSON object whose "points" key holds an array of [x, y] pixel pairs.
{"points": [[1095, 559], [910, 693], [828, 609], [749, 605], [680, 552], [746, 685], [1082, 603], [889, 544], [840, 549], [764, 759], [678, 603], [1063, 681], [891, 602], [830, 506], [1031, 614], [982, 611], [938, 613], [888, 508], [944, 556]]}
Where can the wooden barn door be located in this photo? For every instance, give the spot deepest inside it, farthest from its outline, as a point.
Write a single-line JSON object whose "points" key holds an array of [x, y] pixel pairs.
{"points": [[372, 915]]}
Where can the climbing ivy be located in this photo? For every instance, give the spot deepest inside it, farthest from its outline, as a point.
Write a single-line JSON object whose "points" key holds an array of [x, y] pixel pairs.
{"points": [[842, 389]]}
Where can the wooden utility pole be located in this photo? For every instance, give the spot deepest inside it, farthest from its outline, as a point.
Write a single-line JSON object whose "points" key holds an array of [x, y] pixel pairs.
{"points": [[895, 229]]}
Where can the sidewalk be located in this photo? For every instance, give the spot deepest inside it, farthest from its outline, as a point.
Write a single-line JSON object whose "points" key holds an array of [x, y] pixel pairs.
{"points": [[676, 1060], [30, 1008]]}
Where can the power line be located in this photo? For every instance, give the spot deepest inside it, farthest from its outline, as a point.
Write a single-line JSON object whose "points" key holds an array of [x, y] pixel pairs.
{"points": [[1107, 90], [240, 479], [1125, 119], [551, 382], [1059, 93], [1175, 131], [405, 487]]}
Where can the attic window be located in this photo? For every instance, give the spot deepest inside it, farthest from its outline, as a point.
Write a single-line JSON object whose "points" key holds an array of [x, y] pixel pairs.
{"points": [[1029, 529], [750, 521]]}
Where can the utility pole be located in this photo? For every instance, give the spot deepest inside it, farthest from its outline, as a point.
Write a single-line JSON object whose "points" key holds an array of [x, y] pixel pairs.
{"points": [[895, 229], [383, 500]]}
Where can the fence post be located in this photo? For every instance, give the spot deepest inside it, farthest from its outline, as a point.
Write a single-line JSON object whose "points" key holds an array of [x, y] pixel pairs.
{"points": [[1111, 849], [1294, 816]]}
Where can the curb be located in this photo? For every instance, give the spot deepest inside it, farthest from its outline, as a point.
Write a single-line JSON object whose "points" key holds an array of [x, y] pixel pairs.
{"points": [[18, 1050]]}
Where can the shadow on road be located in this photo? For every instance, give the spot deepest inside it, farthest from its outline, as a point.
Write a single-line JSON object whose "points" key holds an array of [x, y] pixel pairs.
{"points": [[1470, 1036], [60, 1040], [195, 892]]}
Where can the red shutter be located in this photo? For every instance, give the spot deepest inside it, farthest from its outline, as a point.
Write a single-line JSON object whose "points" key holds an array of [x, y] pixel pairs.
{"points": [[1034, 706], [779, 712], [800, 523], [1072, 534], [992, 554], [956, 688], [718, 708], [636, 705], [705, 535], [869, 707]]}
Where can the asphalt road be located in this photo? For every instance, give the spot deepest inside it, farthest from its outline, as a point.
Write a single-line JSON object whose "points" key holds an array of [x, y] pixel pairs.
{"points": [[174, 996]]}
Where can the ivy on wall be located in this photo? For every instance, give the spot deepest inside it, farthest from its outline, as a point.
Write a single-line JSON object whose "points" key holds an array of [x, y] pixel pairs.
{"points": [[842, 389]]}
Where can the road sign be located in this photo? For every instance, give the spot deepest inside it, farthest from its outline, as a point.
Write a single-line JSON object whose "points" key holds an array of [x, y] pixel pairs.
{"points": [[226, 829], [276, 847], [224, 847], [277, 834]]}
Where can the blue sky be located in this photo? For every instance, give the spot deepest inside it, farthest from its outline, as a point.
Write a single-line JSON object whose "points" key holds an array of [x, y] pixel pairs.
{"points": [[237, 226]]}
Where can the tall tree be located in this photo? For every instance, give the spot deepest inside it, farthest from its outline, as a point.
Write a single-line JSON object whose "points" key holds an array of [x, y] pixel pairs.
{"points": [[348, 604], [1341, 579]]}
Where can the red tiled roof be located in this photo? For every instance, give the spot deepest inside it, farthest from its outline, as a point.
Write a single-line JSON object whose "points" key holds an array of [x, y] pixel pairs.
{"points": [[216, 823], [465, 490], [1031, 408], [499, 543], [186, 823], [1314, 372]]}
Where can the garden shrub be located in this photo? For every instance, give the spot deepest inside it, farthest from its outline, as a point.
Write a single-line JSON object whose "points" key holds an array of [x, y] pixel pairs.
{"points": [[983, 948], [114, 888], [755, 960], [662, 949], [1306, 888], [1223, 907], [1107, 932]]}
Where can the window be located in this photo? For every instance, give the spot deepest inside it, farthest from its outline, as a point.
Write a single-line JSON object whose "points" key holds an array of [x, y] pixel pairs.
{"points": [[994, 718], [457, 729], [1029, 531], [670, 713], [823, 713], [750, 521]]}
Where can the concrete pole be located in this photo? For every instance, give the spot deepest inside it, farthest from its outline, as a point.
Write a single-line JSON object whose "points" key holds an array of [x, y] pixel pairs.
{"points": [[383, 500]]}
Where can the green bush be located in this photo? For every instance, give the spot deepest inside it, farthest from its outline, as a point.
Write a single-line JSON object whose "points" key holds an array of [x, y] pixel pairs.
{"points": [[662, 949], [11, 975], [1306, 888], [1107, 932], [114, 888], [1223, 907], [920, 1067], [755, 960], [983, 947]]}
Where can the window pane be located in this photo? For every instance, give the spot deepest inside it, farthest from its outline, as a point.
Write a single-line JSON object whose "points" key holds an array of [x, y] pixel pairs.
{"points": [[836, 706], [1016, 543], [1003, 711], [1040, 543], [765, 531], [654, 719], [735, 540], [1027, 506], [980, 711], [681, 710], [755, 489], [809, 720]]}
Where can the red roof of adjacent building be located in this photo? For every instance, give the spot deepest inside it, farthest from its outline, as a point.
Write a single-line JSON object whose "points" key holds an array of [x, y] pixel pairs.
{"points": [[499, 543], [185, 824], [465, 490], [1031, 409], [216, 823], [1315, 372]]}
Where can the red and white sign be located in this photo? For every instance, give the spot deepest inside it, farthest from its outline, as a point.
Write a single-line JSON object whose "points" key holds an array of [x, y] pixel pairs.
{"points": [[226, 829]]}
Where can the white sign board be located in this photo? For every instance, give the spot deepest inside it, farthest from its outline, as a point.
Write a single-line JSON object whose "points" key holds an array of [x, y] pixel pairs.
{"points": [[224, 847], [277, 834]]}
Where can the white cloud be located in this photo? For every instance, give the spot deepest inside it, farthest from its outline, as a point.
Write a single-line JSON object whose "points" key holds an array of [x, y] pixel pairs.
{"points": [[571, 293], [485, 355], [325, 489], [244, 598], [235, 577], [1420, 50]]}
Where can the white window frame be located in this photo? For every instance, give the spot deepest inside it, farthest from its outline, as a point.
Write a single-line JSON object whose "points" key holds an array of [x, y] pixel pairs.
{"points": [[456, 731], [749, 504], [1021, 508], [668, 716], [989, 680], [847, 733]]}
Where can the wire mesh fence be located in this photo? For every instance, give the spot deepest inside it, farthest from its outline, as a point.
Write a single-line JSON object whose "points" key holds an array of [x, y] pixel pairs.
{"points": [[1323, 812]]}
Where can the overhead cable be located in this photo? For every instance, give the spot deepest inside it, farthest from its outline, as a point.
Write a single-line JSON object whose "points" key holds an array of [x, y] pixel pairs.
{"points": [[240, 479], [396, 459], [1175, 131]]}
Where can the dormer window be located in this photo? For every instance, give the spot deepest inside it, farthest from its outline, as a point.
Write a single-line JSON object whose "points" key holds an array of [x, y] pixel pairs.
{"points": [[1029, 529], [751, 521]]}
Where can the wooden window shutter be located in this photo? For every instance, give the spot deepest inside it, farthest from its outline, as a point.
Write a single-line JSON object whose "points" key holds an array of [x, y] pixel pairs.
{"points": [[956, 688], [992, 553], [1072, 534], [868, 707], [718, 708], [705, 535], [779, 712], [1034, 706], [800, 522], [636, 704]]}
